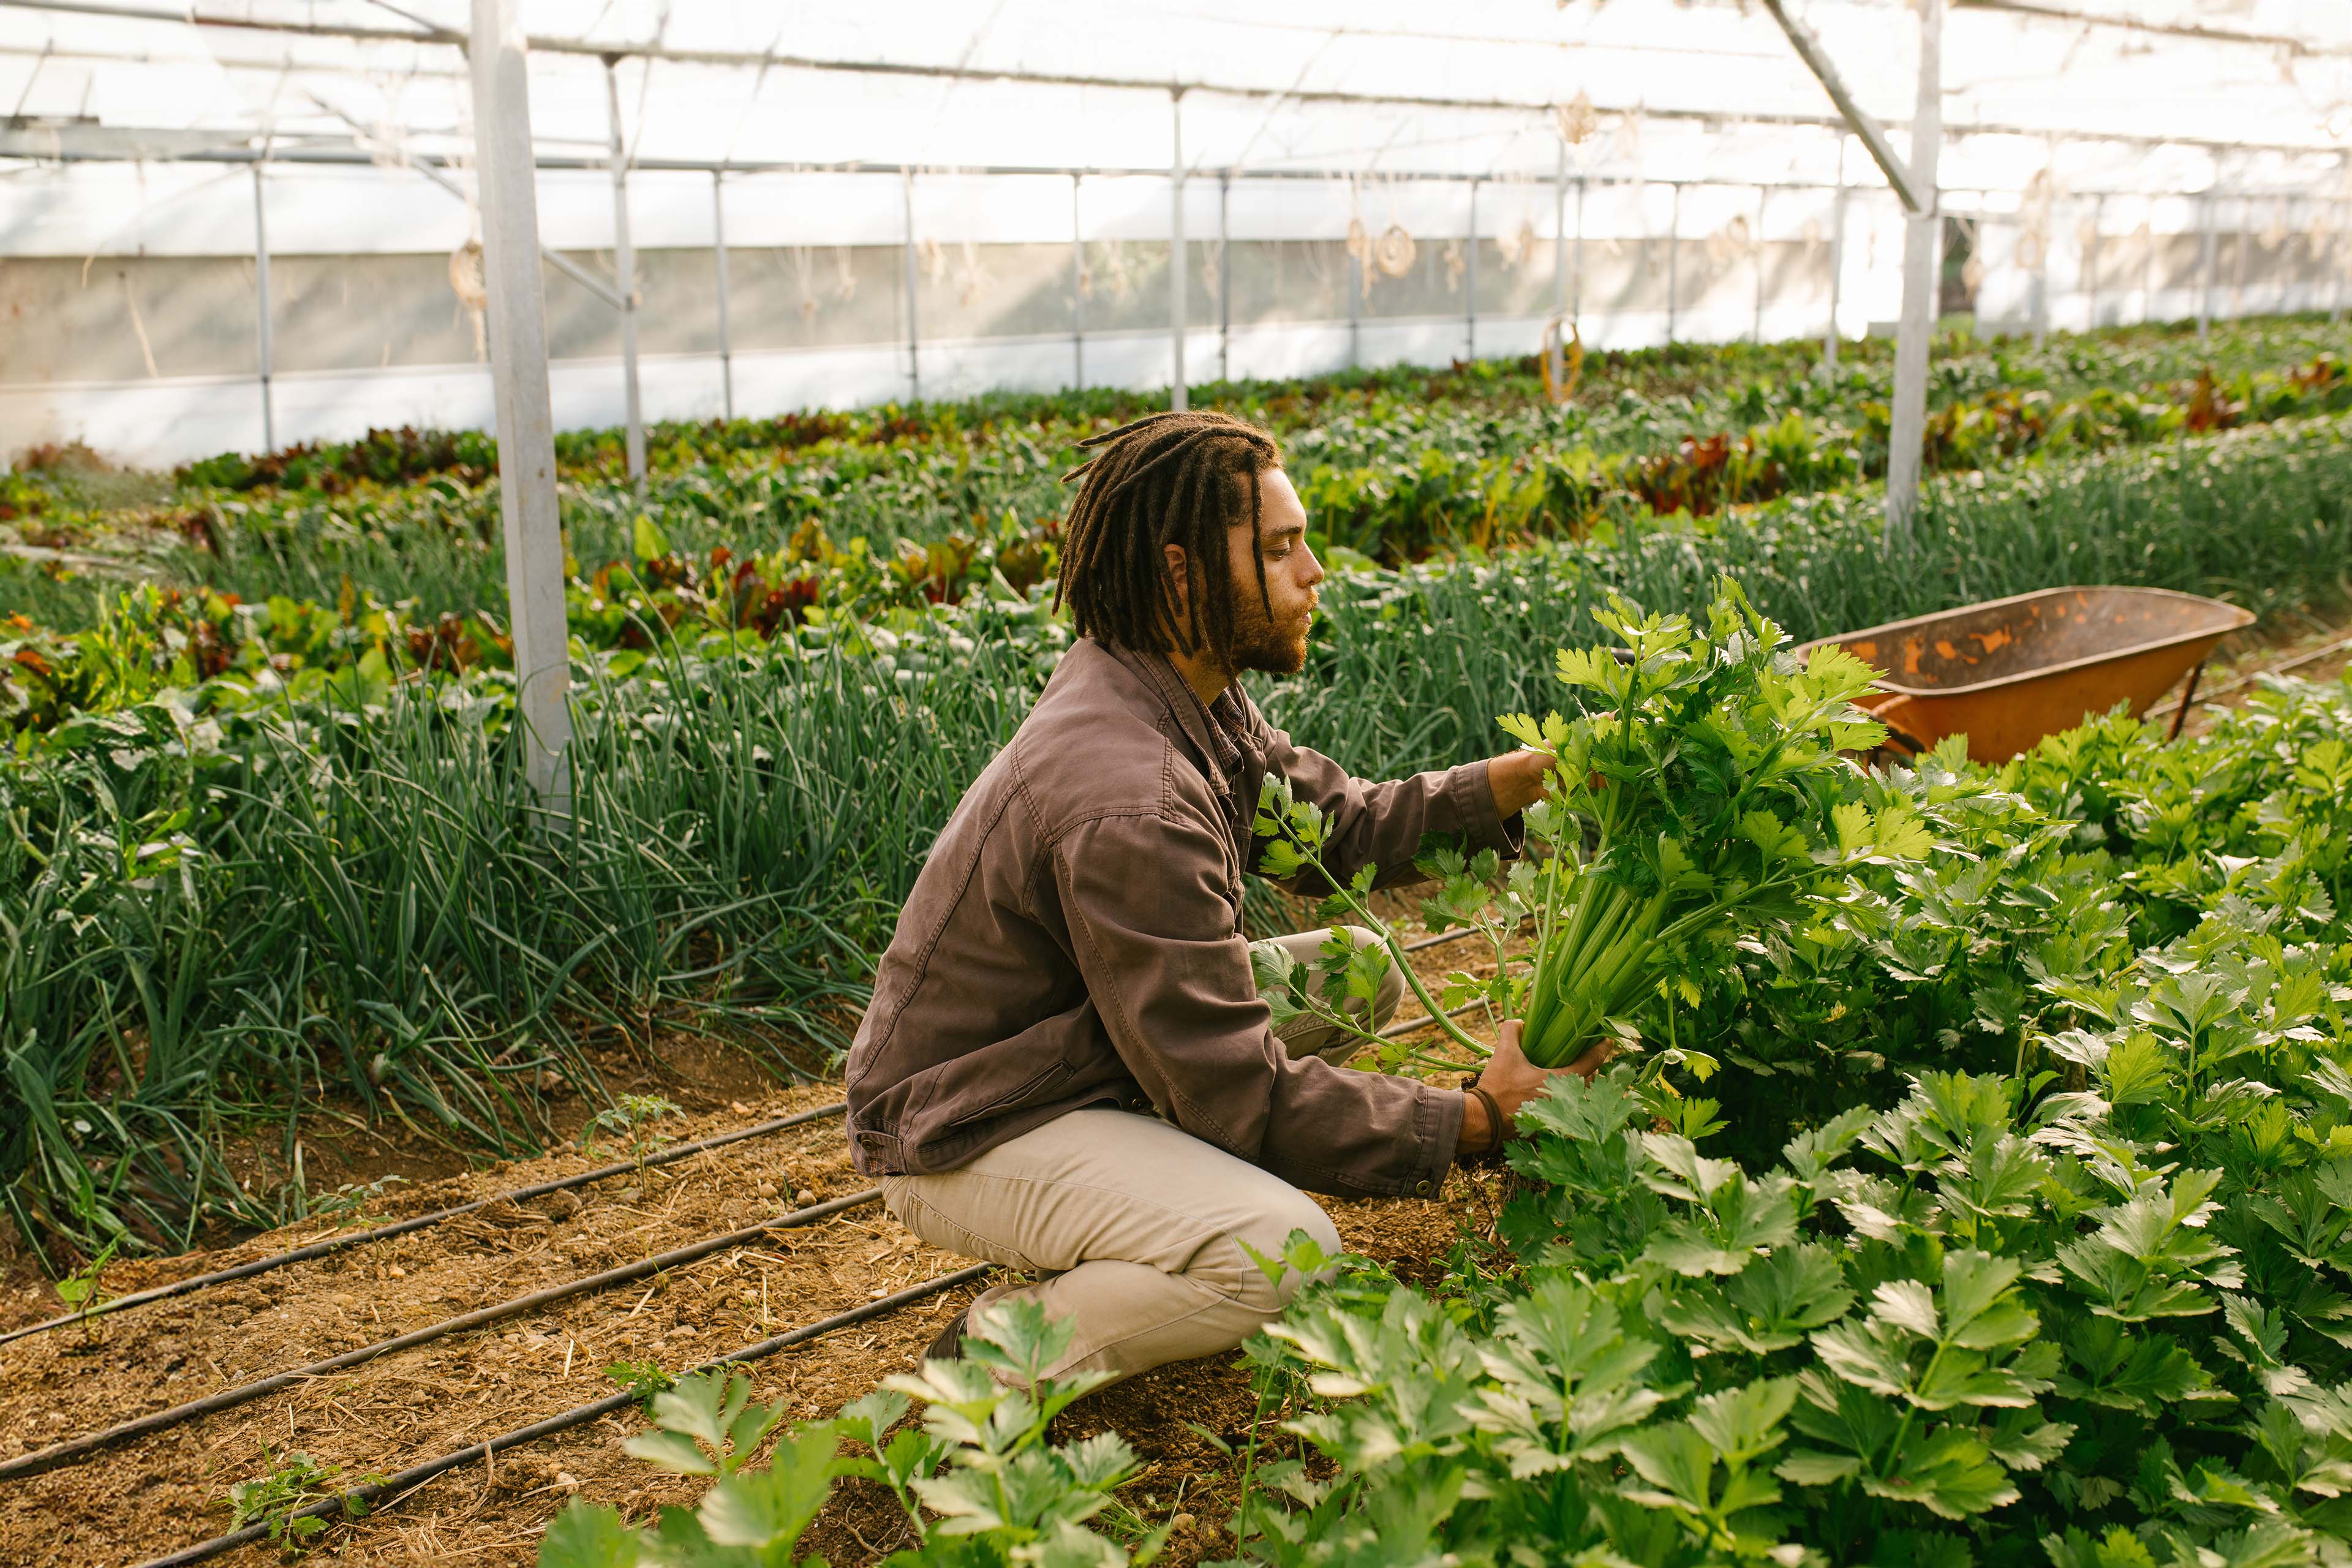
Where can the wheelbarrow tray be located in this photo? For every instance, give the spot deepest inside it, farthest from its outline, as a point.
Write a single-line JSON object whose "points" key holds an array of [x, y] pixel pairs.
{"points": [[2007, 672]]}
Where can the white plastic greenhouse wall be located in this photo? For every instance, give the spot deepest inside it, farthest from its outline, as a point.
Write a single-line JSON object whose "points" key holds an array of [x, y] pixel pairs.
{"points": [[986, 253]]}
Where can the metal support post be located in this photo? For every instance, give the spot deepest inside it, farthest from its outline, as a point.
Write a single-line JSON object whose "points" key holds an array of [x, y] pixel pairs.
{"points": [[1575, 300], [624, 277], [1559, 233], [2238, 265], [2336, 265], [526, 423], [1756, 249], [1920, 235], [907, 270], [1355, 276], [261, 291], [1674, 261], [1470, 310], [2205, 244], [1837, 265], [2280, 209], [2091, 264], [2148, 267], [1077, 289], [1224, 277], [1177, 266], [719, 255]]}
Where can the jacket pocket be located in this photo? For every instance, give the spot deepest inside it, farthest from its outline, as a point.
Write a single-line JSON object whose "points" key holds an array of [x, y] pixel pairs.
{"points": [[1020, 1096]]}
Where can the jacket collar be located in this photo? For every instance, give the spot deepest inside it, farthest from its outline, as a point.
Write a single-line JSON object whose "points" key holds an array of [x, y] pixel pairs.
{"points": [[1185, 704]]}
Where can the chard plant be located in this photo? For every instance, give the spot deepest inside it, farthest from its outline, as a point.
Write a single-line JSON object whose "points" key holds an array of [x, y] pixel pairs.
{"points": [[1697, 796]]}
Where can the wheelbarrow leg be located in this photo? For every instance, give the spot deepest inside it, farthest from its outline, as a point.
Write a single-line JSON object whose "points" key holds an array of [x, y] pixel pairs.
{"points": [[2180, 714]]}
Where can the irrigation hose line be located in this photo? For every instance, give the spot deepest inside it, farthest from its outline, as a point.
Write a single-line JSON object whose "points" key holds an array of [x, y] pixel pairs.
{"points": [[57, 1454], [402, 1227], [419, 1222], [579, 1415]]}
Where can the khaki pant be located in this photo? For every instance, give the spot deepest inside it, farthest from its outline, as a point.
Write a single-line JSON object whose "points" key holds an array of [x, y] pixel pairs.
{"points": [[1132, 1225]]}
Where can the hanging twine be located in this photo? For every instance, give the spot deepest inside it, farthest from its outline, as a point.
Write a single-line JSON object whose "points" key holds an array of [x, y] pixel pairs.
{"points": [[1394, 252], [1729, 243], [466, 279], [1575, 120]]}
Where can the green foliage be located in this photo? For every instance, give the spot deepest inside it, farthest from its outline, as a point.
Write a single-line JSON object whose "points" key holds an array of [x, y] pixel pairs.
{"points": [[313, 869], [295, 1483], [643, 1381], [978, 1481], [2042, 1259]]}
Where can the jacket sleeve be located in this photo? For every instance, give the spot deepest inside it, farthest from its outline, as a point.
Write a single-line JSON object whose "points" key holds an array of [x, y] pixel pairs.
{"points": [[1382, 824], [1153, 934]]}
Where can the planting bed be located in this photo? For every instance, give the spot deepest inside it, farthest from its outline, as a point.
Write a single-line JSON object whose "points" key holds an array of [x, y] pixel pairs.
{"points": [[149, 1495]]}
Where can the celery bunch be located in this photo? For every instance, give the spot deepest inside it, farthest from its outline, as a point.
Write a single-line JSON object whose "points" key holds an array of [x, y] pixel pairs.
{"points": [[1706, 771], [1696, 798]]}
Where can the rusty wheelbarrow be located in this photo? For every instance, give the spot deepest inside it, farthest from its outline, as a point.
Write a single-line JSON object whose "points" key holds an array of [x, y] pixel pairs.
{"points": [[2009, 671]]}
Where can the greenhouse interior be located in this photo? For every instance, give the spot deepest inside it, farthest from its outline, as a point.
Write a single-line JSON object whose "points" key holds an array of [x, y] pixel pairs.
{"points": [[1565, 782]]}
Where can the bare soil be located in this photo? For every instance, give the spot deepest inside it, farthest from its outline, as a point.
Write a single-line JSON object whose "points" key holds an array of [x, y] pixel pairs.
{"points": [[145, 1497]]}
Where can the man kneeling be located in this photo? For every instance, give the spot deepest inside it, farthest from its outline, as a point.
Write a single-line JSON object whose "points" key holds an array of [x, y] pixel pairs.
{"points": [[1066, 1069]]}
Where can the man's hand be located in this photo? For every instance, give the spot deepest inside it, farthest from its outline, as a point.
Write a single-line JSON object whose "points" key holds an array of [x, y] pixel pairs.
{"points": [[1517, 780], [1514, 1080]]}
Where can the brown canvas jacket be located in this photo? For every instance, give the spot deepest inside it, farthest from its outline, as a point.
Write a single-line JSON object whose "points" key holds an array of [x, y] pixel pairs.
{"points": [[1075, 939]]}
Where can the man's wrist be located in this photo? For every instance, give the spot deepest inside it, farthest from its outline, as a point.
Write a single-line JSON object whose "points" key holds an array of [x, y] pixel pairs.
{"points": [[1484, 1124]]}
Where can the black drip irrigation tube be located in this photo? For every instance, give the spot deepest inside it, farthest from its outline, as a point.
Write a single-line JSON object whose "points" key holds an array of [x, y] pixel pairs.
{"points": [[78, 1447], [402, 1227], [352, 1502], [304, 1254]]}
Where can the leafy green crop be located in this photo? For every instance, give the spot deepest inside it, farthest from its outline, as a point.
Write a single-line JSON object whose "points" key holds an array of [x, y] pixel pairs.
{"points": [[978, 1481], [2023, 1242], [1704, 766]]}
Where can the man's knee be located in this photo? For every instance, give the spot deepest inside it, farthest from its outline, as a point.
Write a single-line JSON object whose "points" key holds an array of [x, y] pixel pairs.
{"points": [[1267, 1234]]}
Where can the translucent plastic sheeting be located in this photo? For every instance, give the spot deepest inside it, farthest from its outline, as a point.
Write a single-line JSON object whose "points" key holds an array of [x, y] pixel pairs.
{"points": [[1367, 183]]}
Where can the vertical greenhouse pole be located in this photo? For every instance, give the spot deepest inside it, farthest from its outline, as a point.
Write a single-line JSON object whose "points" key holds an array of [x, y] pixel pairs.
{"points": [[1575, 300], [2239, 235], [2091, 264], [1077, 288], [1354, 274], [624, 278], [719, 257], [907, 270], [2205, 243], [1470, 308], [1176, 260], [1224, 277], [1919, 244], [1674, 260], [1756, 246], [1837, 265], [1559, 233], [1914, 181], [2337, 266], [526, 423], [261, 291], [2147, 266]]}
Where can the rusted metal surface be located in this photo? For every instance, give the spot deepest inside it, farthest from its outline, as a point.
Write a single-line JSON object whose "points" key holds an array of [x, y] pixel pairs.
{"points": [[2008, 671]]}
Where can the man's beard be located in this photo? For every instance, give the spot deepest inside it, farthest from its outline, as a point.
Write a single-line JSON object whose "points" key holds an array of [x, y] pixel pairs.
{"points": [[1261, 646]]}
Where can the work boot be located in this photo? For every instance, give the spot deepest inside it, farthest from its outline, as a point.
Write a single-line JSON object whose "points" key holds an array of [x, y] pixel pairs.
{"points": [[948, 1344]]}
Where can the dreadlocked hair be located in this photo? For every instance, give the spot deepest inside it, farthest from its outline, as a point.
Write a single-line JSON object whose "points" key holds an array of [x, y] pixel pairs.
{"points": [[1168, 479]]}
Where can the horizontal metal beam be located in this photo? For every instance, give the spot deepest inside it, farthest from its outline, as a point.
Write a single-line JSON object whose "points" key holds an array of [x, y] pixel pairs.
{"points": [[1874, 139], [11, 146], [443, 37], [2197, 31]]}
